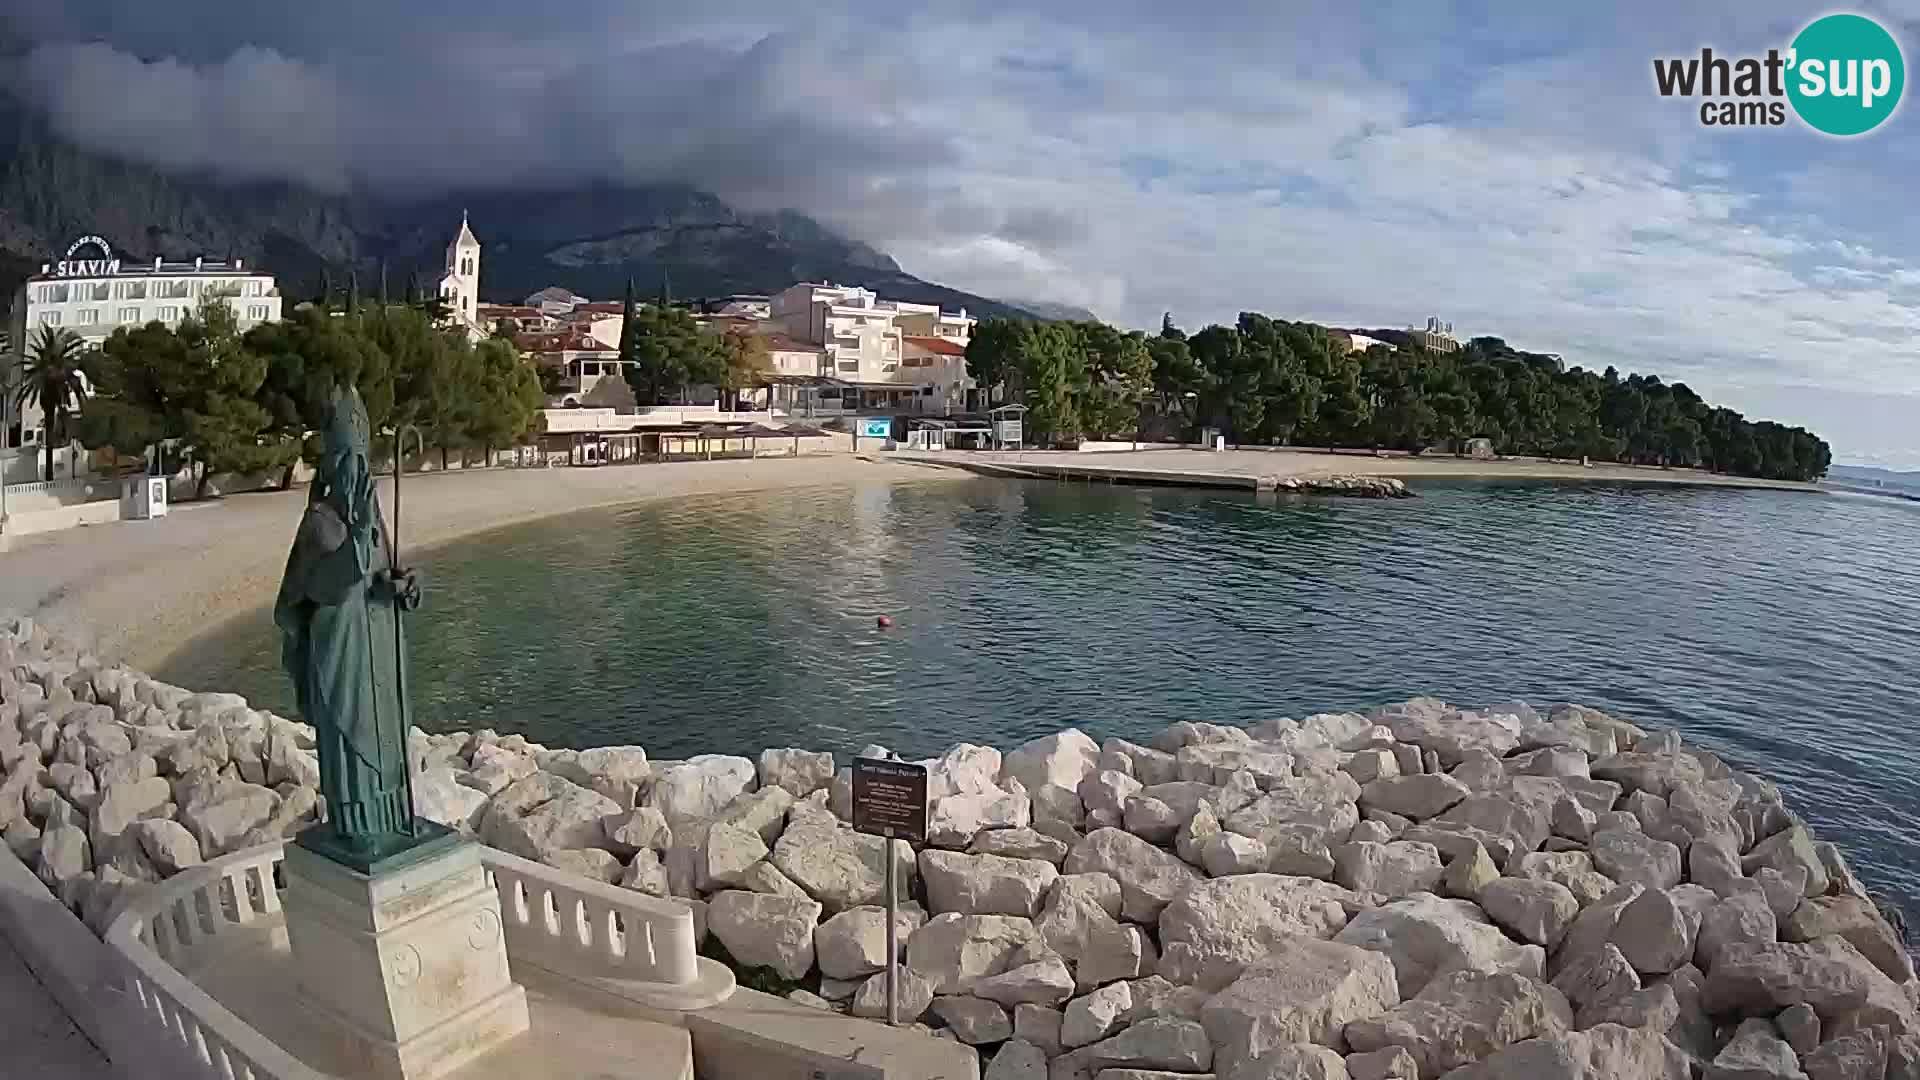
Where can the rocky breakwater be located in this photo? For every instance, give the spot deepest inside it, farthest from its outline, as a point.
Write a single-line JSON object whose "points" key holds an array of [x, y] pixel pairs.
{"points": [[1364, 487], [1421, 891]]}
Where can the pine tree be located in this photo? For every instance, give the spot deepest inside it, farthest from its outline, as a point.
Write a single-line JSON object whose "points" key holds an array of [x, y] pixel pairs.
{"points": [[383, 284], [666, 290], [629, 330]]}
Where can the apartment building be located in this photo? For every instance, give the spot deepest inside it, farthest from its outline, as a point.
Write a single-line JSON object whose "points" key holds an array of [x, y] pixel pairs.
{"points": [[92, 293], [865, 350]]}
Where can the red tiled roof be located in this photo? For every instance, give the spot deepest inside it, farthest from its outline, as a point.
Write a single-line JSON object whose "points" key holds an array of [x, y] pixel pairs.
{"points": [[939, 345], [600, 307]]}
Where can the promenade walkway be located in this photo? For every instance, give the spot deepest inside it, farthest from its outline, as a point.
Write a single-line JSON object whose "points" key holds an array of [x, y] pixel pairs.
{"points": [[38, 1038]]}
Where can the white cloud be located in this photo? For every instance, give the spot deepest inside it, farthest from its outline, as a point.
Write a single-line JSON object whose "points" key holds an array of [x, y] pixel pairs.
{"points": [[1341, 165]]}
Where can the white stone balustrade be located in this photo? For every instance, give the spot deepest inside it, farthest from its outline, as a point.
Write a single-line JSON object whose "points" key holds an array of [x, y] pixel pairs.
{"points": [[635, 945], [155, 934], [616, 940]]}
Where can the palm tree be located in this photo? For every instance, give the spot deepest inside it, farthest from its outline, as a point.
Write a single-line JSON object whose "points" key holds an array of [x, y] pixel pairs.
{"points": [[50, 378]]}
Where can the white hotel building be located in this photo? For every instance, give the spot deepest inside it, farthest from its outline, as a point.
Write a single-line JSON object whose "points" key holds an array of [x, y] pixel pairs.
{"points": [[95, 296], [880, 354]]}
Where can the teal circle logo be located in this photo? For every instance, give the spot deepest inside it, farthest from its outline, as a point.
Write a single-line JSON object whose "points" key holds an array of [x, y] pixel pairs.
{"points": [[1846, 75]]}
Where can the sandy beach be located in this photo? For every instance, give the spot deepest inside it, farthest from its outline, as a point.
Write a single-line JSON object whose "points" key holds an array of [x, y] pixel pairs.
{"points": [[140, 591]]}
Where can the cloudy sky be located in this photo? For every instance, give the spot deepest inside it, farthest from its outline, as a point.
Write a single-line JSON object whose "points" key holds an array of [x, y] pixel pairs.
{"points": [[1507, 167]]}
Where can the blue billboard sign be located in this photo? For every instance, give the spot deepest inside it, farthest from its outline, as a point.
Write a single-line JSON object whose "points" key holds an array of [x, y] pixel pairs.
{"points": [[876, 427]]}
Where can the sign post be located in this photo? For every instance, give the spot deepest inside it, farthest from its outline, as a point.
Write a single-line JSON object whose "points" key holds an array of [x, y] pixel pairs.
{"points": [[890, 801]]}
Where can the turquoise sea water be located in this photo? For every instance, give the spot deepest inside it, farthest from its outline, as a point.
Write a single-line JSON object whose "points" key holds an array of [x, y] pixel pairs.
{"points": [[1782, 630]]}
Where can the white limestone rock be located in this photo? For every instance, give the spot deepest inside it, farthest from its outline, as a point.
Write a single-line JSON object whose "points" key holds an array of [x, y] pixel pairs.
{"points": [[1788, 851], [1428, 938], [1038, 1025], [1855, 919], [1226, 853], [222, 825], [839, 867], [762, 812], [1159, 1043], [725, 856], [1045, 981], [853, 943], [1449, 733], [1392, 869], [1019, 844], [1018, 1059], [1317, 805], [914, 992], [954, 820], [1654, 934], [1060, 760], [1571, 869], [1463, 1017], [1143, 763], [966, 768], [640, 829], [699, 788], [1470, 871], [1095, 1016], [646, 874], [1417, 797], [1386, 1063], [168, 845], [1108, 791], [1149, 877], [955, 952], [972, 1020], [593, 864], [541, 814], [1217, 928], [798, 772], [439, 796], [1366, 766], [1150, 819], [1307, 991], [759, 930], [1756, 1052], [985, 884], [1537, 912], [1629, 856], [1743, 918]]}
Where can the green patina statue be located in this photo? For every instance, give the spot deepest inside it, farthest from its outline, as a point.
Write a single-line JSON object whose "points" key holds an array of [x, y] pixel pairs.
{"points": [[342, 645]]}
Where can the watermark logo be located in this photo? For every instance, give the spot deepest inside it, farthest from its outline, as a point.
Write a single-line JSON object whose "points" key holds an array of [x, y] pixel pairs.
{"points": [[1842, 75]]}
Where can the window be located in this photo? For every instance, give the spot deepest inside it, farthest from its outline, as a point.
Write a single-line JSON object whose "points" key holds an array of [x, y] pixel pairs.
{"points": [[131, 290], [90, 317], [129, 315], [256, 288], [49, 318], [169, 313], [257, 312], [589, 367]]}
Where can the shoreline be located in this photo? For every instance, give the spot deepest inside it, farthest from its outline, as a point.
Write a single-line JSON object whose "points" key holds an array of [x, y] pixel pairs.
{"points": [[1267, 468], [143, 592]]}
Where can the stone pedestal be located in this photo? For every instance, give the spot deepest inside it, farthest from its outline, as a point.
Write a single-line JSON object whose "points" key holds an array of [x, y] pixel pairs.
{"points": [[407, 965]]}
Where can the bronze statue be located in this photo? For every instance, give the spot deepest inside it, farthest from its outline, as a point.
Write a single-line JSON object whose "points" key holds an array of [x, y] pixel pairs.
{"points": [[342, 645]]}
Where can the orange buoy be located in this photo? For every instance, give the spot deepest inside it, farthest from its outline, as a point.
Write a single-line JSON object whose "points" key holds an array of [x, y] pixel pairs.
{"points": [[882, 622]]}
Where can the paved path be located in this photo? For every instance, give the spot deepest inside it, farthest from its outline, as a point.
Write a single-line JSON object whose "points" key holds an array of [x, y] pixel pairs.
{"points": [[36, 1038]]}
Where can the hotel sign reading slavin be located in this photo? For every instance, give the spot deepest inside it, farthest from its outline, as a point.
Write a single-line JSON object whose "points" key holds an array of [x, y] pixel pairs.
{"points": [[106, 264], [890, 799]]}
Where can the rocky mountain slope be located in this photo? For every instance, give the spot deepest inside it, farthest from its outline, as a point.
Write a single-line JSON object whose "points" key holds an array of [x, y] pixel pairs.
{"points": [[589, 240]]}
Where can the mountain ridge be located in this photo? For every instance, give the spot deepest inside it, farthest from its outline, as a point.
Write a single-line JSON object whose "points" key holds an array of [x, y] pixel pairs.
{"points": [[590, 239]]}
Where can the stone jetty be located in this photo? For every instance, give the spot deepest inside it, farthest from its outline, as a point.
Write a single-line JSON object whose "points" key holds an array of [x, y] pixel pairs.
{"points": [[1415, 892]]}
